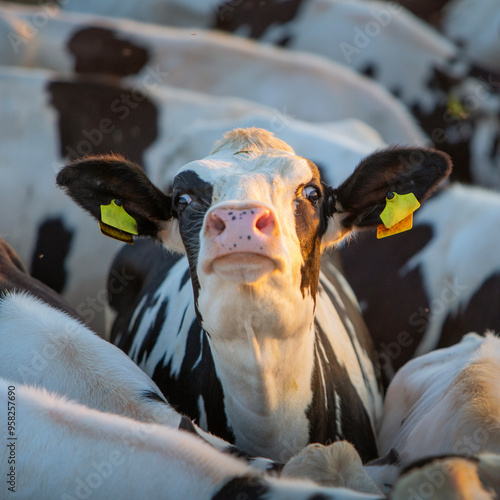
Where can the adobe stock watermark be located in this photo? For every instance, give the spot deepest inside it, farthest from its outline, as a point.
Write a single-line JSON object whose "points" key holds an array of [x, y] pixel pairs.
{"points": [[363, 35], [280, 120], [100, 471]]}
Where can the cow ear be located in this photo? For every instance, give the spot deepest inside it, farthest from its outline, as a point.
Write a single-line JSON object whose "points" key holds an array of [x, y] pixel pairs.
{"points": [[122, 187], [360, 200]]}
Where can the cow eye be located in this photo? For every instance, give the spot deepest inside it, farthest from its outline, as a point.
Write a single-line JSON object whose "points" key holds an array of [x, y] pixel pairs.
{"points": [[183, 200], [312, 194]]}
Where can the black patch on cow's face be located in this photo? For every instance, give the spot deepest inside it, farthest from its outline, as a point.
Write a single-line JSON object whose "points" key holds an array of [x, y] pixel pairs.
{"points": [[52, 247], [98, 50], [310, 225], [480, 314], [14, 277], [247, 487], [355, 423], [372, 268], [191, 218], [95, 118], [258, 15]]}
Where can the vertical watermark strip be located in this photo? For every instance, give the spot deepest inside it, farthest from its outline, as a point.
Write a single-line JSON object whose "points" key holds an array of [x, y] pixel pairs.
{"points": [[11, 438]]}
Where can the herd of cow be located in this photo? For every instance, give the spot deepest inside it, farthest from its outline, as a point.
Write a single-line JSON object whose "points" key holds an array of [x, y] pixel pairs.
{"points": [[257, 340]]}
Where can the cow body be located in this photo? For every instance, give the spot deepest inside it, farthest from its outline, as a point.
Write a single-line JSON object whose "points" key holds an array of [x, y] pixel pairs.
{"points": [[442, 278], [212, 63], [109, 456], [252, 218], [445, 402], [44, 345], [177, 354]]}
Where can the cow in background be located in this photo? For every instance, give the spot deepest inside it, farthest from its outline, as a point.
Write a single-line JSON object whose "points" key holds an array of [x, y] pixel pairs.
{"points": [[440, 280]]}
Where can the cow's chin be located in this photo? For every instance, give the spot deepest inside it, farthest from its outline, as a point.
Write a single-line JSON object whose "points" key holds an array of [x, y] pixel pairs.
{"points": [[243, 267]]}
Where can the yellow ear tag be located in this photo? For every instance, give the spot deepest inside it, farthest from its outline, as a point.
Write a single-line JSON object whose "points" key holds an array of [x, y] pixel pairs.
{"points": [[456, 109], [117, 223], [397, 215]]}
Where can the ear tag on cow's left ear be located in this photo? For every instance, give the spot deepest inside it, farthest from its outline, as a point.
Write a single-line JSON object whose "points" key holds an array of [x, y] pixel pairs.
{"points": [[117, 223], [397, 215]]}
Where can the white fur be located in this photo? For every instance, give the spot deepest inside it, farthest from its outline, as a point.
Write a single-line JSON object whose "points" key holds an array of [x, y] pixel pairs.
{"points": [[446, 401], [66, 450], [45, 347], [337, 464]]}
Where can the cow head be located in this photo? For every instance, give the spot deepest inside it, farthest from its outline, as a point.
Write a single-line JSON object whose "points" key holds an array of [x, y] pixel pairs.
{"points": [[253, 219]]}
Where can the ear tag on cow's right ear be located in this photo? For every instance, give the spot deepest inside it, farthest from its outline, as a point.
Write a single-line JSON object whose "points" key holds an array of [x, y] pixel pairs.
{"points": [[117, 223], [397, 215]]}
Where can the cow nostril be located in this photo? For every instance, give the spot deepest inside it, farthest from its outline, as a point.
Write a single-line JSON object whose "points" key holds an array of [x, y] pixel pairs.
{"points": [[266, 220], [216, 224]]}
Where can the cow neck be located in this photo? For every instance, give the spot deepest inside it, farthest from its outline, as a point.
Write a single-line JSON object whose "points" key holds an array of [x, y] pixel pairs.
{"points": [[266, 392]]}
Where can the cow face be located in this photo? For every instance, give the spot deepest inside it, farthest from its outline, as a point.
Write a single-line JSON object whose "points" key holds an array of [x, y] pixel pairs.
{"points": [[253, 219]]}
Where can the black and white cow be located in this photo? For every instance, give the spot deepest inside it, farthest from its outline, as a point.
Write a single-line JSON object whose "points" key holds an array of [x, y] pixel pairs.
{"points": [[246, 335], [456, 103], [442, 278], [210, 62]]}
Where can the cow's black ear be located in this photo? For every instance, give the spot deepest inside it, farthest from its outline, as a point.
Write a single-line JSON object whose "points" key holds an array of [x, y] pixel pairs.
{"points": [[111, 181], [362, 197]]}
